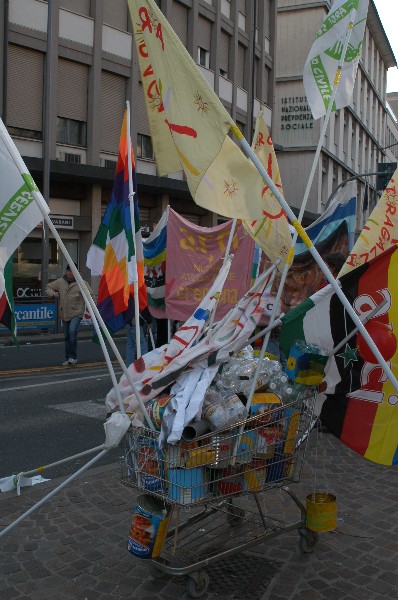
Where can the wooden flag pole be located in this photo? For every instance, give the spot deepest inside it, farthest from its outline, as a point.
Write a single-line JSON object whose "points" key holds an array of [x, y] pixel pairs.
{"points": [[135, 274]]}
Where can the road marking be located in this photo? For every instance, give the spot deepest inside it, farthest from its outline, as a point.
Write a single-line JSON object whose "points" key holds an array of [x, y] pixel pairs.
{"points": [[35, 385], [55, 368], [86, 408]]}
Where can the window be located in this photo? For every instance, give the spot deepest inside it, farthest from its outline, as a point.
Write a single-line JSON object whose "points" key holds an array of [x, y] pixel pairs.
{"points": [[73, 133], [203, 57], [25, 133], [144, 147]]}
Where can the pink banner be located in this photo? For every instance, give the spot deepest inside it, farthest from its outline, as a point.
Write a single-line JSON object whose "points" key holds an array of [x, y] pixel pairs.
{"points": [[194, 258]]}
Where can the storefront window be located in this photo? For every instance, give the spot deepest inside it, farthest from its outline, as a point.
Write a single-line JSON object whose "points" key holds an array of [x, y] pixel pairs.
{"points": [[27, 265]]}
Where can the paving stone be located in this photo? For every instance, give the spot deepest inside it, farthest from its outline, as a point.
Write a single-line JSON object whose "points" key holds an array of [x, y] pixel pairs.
{"points": [[77, 543]]}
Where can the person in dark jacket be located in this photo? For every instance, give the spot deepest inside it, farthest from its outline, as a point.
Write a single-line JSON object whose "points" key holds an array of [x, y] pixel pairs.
{"points": [[131, 343]]}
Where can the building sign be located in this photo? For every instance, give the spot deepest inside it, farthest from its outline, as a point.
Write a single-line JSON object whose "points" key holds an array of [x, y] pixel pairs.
{"points": [[40, 316], [296, 114], [35, 316], [27, 292], [62, 222]]}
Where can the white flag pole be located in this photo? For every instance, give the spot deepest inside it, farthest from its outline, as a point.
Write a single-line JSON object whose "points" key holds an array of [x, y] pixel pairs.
{"points": [[290, 256], [226, 255], [315, 254], [135, 273], [93, 310]]}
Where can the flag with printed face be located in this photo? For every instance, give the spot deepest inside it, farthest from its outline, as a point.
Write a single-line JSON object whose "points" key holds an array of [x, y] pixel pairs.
{"points": [[116, 253], [19, 214], [341, 211], [271, 232], [380, 231], [155, 252], [360, 404], [325, 56], [190, 126]]}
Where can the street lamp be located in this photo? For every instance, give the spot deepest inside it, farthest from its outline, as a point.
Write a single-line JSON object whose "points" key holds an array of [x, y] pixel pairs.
{"points": [[343, 183]]}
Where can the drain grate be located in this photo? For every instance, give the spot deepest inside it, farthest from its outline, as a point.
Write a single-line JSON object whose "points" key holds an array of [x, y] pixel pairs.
{"points": [[243, 577]]}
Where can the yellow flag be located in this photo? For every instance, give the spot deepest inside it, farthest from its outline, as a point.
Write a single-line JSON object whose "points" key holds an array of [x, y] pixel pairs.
{"points": [[380, 231], [189, 125], [271, 232]]}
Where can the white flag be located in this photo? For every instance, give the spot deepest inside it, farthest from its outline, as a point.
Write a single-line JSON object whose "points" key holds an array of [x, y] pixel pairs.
{"points": [[19, 214], [326, 52]]}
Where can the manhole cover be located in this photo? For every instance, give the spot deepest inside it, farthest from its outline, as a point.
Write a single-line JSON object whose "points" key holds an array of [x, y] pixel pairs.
{"points": [[244, 576]]}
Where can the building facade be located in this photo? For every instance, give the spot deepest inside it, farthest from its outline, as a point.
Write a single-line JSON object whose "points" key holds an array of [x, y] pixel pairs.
{"points": [[69, 66], [68, 69], [356, 135]]}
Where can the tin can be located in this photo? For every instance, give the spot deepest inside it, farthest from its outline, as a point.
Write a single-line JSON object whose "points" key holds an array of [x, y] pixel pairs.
{"points": [[187, 486], [229, 481], [236, 408], [217, 415], [246, 447], [150, 465], [148, 527], [156, 407], [222, 445], [254, 476]]}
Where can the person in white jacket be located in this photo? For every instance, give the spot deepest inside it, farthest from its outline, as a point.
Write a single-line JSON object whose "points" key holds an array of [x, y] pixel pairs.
{"points": [[71, 310]]}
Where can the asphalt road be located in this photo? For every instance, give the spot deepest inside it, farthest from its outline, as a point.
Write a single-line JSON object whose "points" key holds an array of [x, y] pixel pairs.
{"points": [[31, 354], [48, 412]]}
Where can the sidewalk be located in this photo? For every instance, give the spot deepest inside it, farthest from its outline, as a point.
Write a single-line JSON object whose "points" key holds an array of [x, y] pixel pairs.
{"points": [[75, 546]]}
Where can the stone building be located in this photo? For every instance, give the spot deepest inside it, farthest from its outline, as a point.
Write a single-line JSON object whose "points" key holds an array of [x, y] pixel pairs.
{"points": [[68, 68], [356, 134]]}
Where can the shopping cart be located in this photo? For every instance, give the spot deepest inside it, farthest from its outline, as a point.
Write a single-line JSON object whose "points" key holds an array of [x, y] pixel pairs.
{"points": [[215, 488]]}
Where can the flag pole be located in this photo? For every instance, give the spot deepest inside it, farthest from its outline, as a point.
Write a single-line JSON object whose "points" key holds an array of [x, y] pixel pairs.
{"points": [[93, 310], [315, 254], [226, 255], [290, 256], [131, 200]]}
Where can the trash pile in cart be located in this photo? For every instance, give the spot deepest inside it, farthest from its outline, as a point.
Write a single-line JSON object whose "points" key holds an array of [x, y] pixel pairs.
{"points": [[229, 449]]}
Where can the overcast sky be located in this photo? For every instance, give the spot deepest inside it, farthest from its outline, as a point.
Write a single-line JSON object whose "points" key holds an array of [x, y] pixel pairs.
{"points": [[388, 13]]}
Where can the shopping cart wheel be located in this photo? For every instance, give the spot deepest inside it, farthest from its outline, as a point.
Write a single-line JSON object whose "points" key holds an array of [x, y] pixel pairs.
{"points": [[308, 540], [197, 584], [235, 515], [157, 573]]}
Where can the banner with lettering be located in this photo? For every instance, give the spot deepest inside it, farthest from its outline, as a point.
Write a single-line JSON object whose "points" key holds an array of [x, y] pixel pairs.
{"points": [[21, 209], [380, 232], [271, 232], [194, 257], [359, 402], [325, 66]]}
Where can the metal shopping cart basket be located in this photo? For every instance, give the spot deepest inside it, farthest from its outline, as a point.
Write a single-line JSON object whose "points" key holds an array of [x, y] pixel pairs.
{"points": [[215, 489]]}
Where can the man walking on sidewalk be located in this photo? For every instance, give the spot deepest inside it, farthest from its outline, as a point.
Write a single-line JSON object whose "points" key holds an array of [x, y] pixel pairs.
{"points": [[71, 310]]}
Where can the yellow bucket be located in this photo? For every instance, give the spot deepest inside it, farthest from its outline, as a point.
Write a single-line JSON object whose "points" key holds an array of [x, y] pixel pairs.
{"points": [[321, 511]]}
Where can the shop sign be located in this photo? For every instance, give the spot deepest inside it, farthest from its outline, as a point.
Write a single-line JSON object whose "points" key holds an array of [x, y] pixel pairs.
{"points": [[62, 222], [43, 315], [27, 292]]}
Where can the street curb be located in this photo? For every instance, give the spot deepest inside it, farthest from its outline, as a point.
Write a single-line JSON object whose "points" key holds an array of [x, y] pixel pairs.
{"points": [[47, 338]]}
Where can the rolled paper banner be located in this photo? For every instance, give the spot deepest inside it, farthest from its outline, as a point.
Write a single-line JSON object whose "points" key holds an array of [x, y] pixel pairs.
{"points": [[195, 429]]}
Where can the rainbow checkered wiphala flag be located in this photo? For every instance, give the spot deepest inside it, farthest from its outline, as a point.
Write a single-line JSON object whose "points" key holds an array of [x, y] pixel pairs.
{"points": [[116, 254]]}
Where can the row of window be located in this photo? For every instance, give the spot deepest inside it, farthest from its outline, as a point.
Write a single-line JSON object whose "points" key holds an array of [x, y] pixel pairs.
{"points": [[74, 133]]}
